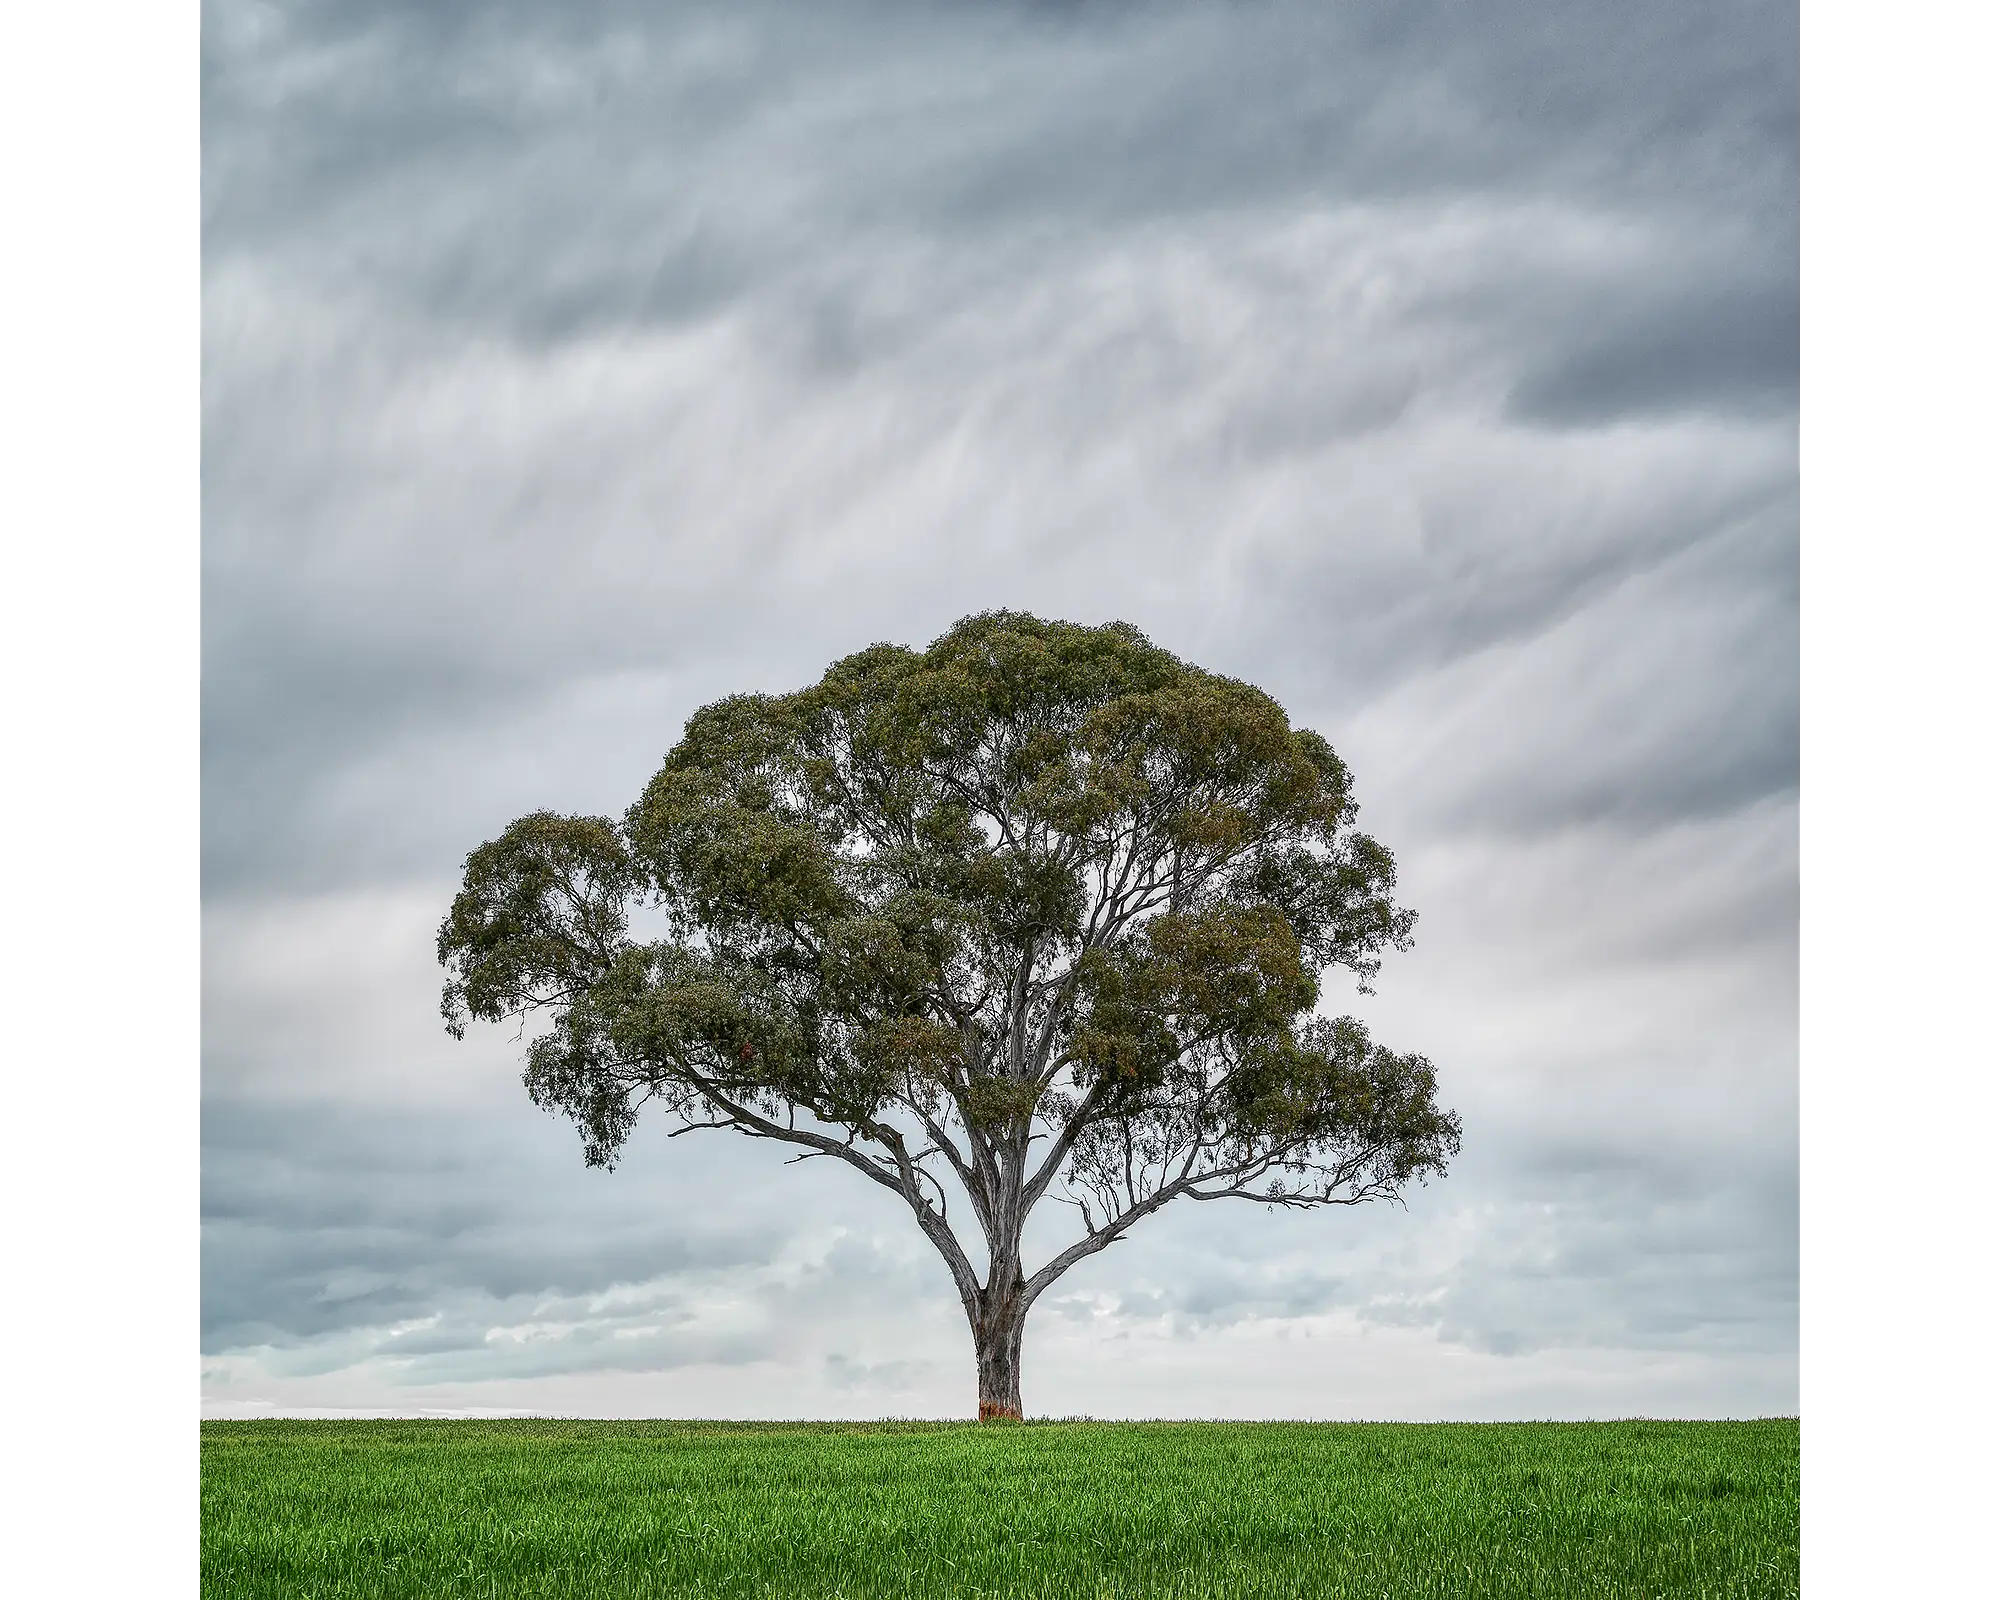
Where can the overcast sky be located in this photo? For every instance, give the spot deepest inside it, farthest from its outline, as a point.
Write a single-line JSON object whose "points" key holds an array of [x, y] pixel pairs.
{"points": [[1432, 366]]}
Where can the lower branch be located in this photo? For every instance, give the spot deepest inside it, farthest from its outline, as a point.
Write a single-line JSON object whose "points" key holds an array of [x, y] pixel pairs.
{"points": [[1236, 1183], [902, 1182]]}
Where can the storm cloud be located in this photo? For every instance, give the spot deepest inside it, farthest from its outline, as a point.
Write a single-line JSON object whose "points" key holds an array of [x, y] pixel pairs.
{"points": [[569, 366]]}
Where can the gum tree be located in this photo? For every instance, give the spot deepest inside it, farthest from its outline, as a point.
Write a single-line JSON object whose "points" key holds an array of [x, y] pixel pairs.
{"points": [[1037, 914]]}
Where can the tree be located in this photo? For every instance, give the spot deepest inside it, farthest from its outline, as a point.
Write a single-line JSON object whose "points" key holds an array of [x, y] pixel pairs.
{"points": [[1038, 911]]}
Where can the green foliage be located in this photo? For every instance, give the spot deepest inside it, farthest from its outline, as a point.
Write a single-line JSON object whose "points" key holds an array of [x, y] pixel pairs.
{"points": [[539, 919], [1039, 882], [1156, 1510]]}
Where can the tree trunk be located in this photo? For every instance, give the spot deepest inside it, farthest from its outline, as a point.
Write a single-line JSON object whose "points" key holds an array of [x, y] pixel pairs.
{"points": [[996, 1341]]}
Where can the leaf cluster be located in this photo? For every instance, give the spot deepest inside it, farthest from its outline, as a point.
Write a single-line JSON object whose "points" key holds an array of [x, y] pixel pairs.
{"points": [[1038, 882]]}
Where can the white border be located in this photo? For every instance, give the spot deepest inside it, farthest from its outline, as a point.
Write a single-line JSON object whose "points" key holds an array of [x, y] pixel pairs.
{"points": [[99, 612], [1899, 596], [99, 121]]}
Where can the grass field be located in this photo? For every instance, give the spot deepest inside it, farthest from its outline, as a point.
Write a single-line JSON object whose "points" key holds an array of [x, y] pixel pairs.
{"points": [[1087, 1509]]}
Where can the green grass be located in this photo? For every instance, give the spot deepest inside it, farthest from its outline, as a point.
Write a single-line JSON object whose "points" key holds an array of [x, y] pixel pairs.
{"points": [[1089, 1509]]}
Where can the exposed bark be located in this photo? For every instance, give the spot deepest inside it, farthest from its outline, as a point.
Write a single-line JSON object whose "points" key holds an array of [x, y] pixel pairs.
{"points": [[997, 1323]]}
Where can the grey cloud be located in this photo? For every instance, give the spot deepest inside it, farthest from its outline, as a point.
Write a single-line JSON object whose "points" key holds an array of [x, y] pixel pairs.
{"points": [[544, 177], [320, 1217], [567, 367], [874, 1377], [441, 1248], [1738, 347], [1681, 704], [1632, 687], [890, 204], [1216, 1295], [1025, 110], [1529, 1246], [1358, 605], [468, 1338], [1610, 1254]]}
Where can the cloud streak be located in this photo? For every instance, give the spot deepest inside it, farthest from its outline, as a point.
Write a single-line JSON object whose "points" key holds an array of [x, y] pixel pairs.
{"points": [[567, 367]]}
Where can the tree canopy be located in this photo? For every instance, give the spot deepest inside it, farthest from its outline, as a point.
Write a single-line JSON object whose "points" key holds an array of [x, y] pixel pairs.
{"points": [[1040, 910]]}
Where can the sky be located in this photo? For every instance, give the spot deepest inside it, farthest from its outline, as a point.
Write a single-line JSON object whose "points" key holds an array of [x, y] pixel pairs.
{"points": [[567, 367]]}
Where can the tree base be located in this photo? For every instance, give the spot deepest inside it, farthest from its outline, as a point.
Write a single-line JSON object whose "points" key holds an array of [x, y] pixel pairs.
{"points": [[994, 1411]]}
